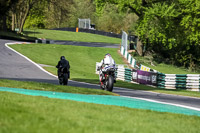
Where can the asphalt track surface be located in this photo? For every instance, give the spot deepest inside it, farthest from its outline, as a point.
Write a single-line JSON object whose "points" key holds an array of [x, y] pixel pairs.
{"points": [[14, 66]]}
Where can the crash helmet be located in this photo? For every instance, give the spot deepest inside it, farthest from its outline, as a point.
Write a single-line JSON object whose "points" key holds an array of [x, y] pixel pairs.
{"points": [[62, 57], [107, 55]]}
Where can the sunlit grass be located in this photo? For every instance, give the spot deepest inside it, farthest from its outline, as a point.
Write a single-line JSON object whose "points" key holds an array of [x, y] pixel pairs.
{"points": [[35, 114], [70, 36]]}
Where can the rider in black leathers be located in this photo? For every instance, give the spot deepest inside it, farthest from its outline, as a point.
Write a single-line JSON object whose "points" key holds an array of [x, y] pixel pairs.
{"points": [[63, 66]]}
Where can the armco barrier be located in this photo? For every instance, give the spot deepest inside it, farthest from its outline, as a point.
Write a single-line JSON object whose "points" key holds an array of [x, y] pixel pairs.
{"points": [[133, 62], [109, 34], [45, 41], [129, 58], [122, 73], [179, 81], [134, 76], [189, 82]]}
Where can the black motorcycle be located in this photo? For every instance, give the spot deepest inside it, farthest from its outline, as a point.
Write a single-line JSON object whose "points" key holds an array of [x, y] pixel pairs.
{"points": [[63, 76], [108, 80]]}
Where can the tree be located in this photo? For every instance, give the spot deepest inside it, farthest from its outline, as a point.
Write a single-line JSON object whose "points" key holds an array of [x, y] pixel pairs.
{"points": [[57, 13], [20, 12], [36, 17], [135, 6], [112, 19], [82, 9], [170, 26], [5, 6]]}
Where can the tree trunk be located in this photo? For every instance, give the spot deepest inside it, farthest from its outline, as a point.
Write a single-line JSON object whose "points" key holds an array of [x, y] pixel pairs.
{"points": [[13, 21], [24, 19], [140, 48], [16, 23], [4, 22]]}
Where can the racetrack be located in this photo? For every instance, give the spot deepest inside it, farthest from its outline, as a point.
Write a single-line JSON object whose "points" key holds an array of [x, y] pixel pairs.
{"points": [[14, 66]]}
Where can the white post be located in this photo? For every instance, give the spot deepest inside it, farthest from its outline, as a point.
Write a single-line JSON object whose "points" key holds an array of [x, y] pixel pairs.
{"points": [[89, 24], [124, 40]]}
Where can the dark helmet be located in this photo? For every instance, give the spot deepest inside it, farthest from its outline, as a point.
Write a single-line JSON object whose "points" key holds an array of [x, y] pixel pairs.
{"points": [[62, 57]]}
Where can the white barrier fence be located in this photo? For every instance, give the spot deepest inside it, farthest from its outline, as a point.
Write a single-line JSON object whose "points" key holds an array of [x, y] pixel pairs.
{"points": [[45, 41], [179, 81], [132, 61], [124, 43], [122, 73], [84, 23]]}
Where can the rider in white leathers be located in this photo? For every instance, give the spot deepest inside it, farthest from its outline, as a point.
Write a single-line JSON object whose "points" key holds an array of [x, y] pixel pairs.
{"points": [[105, 63]]}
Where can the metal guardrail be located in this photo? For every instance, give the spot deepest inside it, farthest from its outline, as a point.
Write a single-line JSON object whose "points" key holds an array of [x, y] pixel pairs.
{"points": [[179, 81], [123, 73], [109, 34], [133, 62], [167, 81], [45, 41]]}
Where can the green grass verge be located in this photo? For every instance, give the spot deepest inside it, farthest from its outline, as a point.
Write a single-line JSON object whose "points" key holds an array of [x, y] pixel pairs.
{"points": [[22, 114], [83, 61], [51, 87], [70, 36]]}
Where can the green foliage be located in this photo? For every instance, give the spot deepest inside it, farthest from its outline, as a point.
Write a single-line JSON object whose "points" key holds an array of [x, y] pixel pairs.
{"points": [[57, 13], [100, 5], [191, 20], [158, 26], [112, 19], [81, 9], [168, 27], [36, 18], [5, 7]]}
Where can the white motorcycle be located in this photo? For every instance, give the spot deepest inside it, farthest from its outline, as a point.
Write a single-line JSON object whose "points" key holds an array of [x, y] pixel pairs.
{"points": [[108, 78]]}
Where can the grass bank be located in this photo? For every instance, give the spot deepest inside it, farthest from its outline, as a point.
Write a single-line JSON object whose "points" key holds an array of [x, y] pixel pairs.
{"points": [[70, 36], [83, 61], [21, 113], [51, 87]]}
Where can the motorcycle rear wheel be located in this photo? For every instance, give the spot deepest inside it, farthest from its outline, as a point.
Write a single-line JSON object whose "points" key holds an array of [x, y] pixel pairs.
{"points": [[65, 78]]}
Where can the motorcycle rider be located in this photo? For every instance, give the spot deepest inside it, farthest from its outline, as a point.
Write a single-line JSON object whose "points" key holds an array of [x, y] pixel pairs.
{"points": [[108, 61], [63, 66]]}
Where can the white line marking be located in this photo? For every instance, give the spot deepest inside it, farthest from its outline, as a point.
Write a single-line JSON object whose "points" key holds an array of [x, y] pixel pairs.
{"points": [[28, 59], [178, 105]]}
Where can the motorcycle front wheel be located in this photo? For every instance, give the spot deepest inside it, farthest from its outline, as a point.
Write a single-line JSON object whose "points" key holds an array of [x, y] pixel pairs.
{"points": [[109, 83]]}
